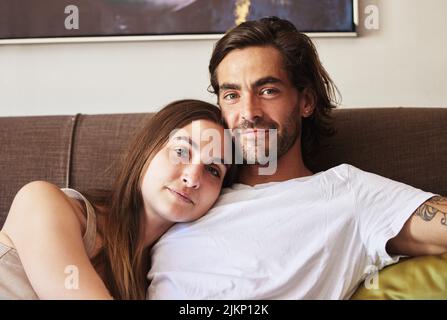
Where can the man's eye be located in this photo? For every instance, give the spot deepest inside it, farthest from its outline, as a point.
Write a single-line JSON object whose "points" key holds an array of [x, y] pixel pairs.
{"points": [[269, 91], [213, 171], [230, 96]]}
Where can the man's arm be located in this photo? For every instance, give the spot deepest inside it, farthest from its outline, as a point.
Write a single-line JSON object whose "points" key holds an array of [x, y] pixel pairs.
{"points": [[425, 233]]}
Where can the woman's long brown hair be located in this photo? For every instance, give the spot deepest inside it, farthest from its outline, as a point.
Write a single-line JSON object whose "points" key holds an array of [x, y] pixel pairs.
{"points": [[124, 261]]}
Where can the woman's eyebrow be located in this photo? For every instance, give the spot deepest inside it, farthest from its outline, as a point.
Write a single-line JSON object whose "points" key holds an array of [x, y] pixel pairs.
{"points": [[215, 160], [187, 139]]}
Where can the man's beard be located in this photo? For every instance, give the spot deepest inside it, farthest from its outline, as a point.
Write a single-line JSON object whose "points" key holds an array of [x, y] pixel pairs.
{"points": [[252, 148]]}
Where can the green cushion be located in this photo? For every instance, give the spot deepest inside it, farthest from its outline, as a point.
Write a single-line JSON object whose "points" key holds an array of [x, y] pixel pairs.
{"points": [[415, 278]]}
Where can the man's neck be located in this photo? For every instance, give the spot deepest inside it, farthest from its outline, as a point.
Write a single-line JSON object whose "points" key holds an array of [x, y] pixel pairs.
{"points": [[289, 166]]}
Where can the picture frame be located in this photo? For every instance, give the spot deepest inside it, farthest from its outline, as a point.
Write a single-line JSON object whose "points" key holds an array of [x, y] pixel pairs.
{"points": [[37, 21]]}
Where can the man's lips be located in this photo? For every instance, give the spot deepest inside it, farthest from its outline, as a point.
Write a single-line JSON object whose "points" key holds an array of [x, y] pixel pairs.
{"points": [[253, 131], [181, 195]]}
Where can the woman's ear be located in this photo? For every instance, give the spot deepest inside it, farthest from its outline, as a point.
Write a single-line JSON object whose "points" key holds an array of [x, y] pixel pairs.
{"points": [[308, 102]]}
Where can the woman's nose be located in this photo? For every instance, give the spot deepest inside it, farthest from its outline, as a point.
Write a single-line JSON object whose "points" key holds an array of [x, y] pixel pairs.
{"points": [[191, 176]]}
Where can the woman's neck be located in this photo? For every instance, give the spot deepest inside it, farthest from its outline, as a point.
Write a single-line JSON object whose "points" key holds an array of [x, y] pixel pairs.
{"points": [[154, 227]]}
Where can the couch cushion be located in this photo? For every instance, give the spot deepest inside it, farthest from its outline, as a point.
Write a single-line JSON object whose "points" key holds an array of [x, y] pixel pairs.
{"points": [[99, 144], [416, 278], [403, 144], [32, 148]]}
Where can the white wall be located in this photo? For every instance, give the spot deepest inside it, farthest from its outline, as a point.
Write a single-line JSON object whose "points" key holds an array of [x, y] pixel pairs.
{"points": [[402, 64]]}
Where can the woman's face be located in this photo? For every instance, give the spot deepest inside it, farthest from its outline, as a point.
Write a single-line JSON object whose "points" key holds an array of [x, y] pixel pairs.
{"points": [[178, 185]]}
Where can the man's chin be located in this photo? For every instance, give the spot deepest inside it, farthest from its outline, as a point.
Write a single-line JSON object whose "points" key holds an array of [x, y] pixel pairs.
{"points": [[255, 156]]}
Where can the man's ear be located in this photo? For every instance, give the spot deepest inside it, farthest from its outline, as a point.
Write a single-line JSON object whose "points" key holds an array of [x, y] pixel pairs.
{"points": [[308, 102]]}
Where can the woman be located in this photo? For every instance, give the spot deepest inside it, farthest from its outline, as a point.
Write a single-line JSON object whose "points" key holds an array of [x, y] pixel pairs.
{"points": [[71, 249]]}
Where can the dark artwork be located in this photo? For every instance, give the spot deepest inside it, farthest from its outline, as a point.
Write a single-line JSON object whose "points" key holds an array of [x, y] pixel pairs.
{"points": [[45, 18]]}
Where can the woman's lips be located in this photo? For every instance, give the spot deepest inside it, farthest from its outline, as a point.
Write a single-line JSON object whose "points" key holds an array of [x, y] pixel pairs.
{"points": [[181, 195]]}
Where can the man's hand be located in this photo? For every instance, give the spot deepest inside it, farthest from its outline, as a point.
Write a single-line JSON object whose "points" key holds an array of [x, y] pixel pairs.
{"points": [[425, 233]]}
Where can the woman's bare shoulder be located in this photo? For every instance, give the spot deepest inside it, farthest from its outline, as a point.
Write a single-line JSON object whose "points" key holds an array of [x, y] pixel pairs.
{"points": [[33, 198], [44, 225]]}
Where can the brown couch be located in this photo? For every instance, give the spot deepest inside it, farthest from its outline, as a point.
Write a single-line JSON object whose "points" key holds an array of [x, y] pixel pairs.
{"points": [[404, 144]]}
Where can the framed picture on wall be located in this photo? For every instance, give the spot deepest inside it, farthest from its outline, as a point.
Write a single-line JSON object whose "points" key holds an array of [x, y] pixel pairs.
{"points": [[117, 20]]}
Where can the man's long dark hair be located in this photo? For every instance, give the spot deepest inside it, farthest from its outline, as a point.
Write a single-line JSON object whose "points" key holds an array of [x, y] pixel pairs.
{"points": [[303, 67]]}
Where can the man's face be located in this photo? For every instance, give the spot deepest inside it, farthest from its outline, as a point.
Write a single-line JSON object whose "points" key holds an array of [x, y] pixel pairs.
{"points": [[255, 94]]}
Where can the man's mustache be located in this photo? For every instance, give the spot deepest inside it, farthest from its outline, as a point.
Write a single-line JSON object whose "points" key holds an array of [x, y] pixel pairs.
{"points": [[256, 125]]}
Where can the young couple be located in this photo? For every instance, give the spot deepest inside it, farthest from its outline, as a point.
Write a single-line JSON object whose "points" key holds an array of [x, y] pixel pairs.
{"points": [[290, 235]]}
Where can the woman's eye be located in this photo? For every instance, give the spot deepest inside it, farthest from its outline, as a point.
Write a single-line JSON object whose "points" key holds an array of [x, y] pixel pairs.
{"points": [[213, 171], [182, 152]]}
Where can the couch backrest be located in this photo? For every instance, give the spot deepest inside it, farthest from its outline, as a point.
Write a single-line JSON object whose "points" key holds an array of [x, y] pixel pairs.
{"points": [[82, 151], [79, 151]]}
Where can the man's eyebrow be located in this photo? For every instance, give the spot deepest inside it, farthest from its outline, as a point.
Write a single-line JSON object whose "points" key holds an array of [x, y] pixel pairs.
{"points": [[257, 83], [266, 80], [229, 86], [187, 139]]}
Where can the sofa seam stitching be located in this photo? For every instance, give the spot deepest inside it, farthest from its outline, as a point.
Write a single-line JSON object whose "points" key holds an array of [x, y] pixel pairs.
{"points": [[68, 168]]}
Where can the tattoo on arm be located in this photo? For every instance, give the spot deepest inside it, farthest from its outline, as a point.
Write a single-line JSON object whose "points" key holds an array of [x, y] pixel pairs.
{"points": [[430, 209]]}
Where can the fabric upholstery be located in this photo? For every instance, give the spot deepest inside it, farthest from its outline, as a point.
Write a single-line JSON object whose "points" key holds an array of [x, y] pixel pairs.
{"points": [[99, 144], [32, 148], [404, 144]]}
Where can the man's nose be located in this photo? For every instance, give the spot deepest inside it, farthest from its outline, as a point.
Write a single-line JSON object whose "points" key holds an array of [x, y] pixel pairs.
{"points": [[192, 175], [251, 111]]}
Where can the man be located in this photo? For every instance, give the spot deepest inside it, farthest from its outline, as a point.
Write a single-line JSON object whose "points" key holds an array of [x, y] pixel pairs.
{"points": [[293, 234]]}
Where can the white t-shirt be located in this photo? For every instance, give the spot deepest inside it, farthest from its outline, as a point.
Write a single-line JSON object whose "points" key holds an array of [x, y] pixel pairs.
{"points": [[313, 237]]}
